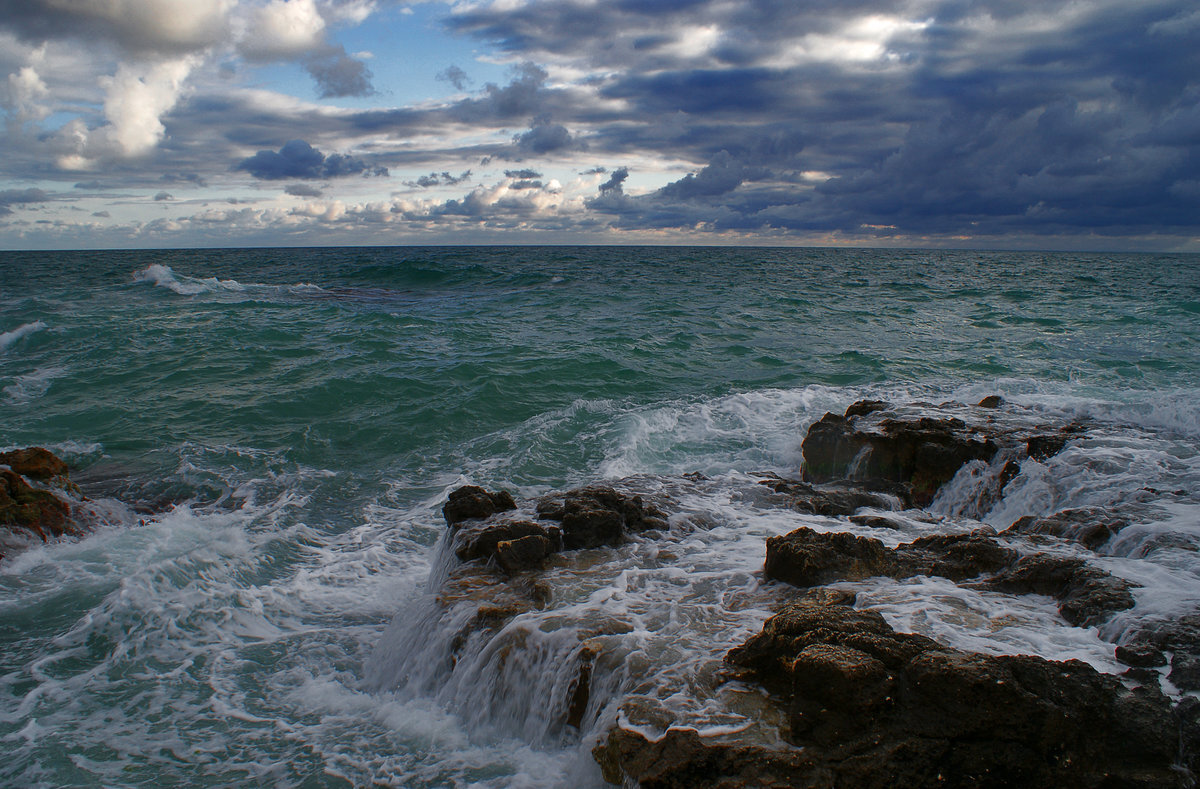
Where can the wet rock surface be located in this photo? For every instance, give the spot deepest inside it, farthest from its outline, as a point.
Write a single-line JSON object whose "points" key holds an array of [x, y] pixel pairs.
{"points": [[869, 707], [1086, 594], [846, 700], [913, 452], [32, 504]]}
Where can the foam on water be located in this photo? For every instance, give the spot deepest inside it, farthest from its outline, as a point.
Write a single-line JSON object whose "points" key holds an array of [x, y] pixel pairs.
{"points": [[10, 338]]}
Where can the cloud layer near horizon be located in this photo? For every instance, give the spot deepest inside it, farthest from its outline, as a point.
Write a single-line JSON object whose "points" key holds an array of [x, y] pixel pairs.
{"points": [[922, 122]]}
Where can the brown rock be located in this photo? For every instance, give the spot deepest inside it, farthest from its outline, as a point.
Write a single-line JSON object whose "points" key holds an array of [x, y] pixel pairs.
{"points": [[472, 502], [35, 463], [25, 508], [599, 515]]}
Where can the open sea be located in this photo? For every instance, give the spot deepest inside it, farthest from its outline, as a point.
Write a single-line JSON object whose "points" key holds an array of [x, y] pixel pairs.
{"points": [[268, 435]]}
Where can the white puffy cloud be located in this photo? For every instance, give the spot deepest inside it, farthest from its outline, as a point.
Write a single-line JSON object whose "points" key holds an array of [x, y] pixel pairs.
{"points": [[283, 29]]}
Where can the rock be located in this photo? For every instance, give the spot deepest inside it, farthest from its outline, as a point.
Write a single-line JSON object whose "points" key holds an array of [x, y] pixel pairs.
{"points": [[870, 707], [35, 463], [472, 502], [1090, 526], [921, 453], [954, 556], [808, 558], [991, 401], [524, 553], [1140, 655], [682, 759], [1185, 671], [1045, 446], [828, 500], [1086, 594], [599, 515], [481, 540], [28, 509]]}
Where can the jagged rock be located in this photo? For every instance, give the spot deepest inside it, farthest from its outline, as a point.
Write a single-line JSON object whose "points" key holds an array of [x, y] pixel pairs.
{"points": [[25, 508], [682, 759], [35, 463], [1086, 595], [599, 515], [1090, 526], [1043, 447], [954, 556], [524, 553], [804, 558], [913, 450], [472, 502], [921, 453], [1141, 655], [481, 540], [869, 707], [828, 500]]}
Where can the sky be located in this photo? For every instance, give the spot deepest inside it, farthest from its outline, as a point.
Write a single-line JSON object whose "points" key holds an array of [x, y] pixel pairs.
{"points": [[916, 123]]}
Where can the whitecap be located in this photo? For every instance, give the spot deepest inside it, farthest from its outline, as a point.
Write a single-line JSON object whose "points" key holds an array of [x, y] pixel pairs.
{"points": [[8, 338]]}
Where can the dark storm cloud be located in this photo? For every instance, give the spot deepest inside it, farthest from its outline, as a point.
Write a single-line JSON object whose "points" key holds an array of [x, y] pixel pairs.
{"points": [[337, 74], [613, 184], [161, 196], [989, 117], [302, 190], [455, 76], [525, 174], [195, 179], [545, 137], [298, 159], [443, 178], [20, 197], [139, 28]]}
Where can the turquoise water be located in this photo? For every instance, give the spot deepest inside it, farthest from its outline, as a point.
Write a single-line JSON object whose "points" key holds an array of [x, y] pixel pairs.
{"points": [[281, 426]]}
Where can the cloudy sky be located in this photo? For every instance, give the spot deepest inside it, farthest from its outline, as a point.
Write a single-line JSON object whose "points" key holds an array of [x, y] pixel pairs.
{"points": [[993, 123]]}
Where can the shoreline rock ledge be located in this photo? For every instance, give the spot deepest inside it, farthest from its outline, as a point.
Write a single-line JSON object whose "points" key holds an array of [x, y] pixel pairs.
{"points": [[827, 696], [30, 507], [868, 707]]}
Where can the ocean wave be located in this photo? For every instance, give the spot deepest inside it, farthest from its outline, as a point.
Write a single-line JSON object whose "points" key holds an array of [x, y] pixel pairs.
{"points": [[165, 277], [8, 338]]}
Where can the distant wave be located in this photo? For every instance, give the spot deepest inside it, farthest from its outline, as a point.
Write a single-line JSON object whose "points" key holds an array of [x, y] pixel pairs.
{"points": [[10, 337], [164, 277]]}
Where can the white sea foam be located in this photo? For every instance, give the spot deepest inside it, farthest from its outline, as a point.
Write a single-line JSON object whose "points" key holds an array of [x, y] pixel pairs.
{"points": [[33, 385], [9, 338], [164, 277]]}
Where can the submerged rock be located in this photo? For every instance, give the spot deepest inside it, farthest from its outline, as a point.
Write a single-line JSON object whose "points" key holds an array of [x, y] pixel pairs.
{"points": [[1086, 594], [828, 500], [867, 707], [1090, 526]]}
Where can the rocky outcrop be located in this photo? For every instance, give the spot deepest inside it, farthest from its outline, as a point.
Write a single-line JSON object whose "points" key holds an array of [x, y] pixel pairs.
{"points": [[871, 707], [1090, 526], [866, 707], [587, 517], [599, 515], [829, 500], [472, 502], [1086, 594], [35, 511], [914, 451]]}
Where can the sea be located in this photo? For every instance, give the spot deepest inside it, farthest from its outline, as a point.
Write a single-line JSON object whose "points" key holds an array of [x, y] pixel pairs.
{"points": [[265, 438]]}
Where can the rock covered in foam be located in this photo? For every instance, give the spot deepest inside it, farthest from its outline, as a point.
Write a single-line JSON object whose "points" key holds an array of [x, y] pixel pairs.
{"points": [[1087, 595], [914, 450], [869, 707]]}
